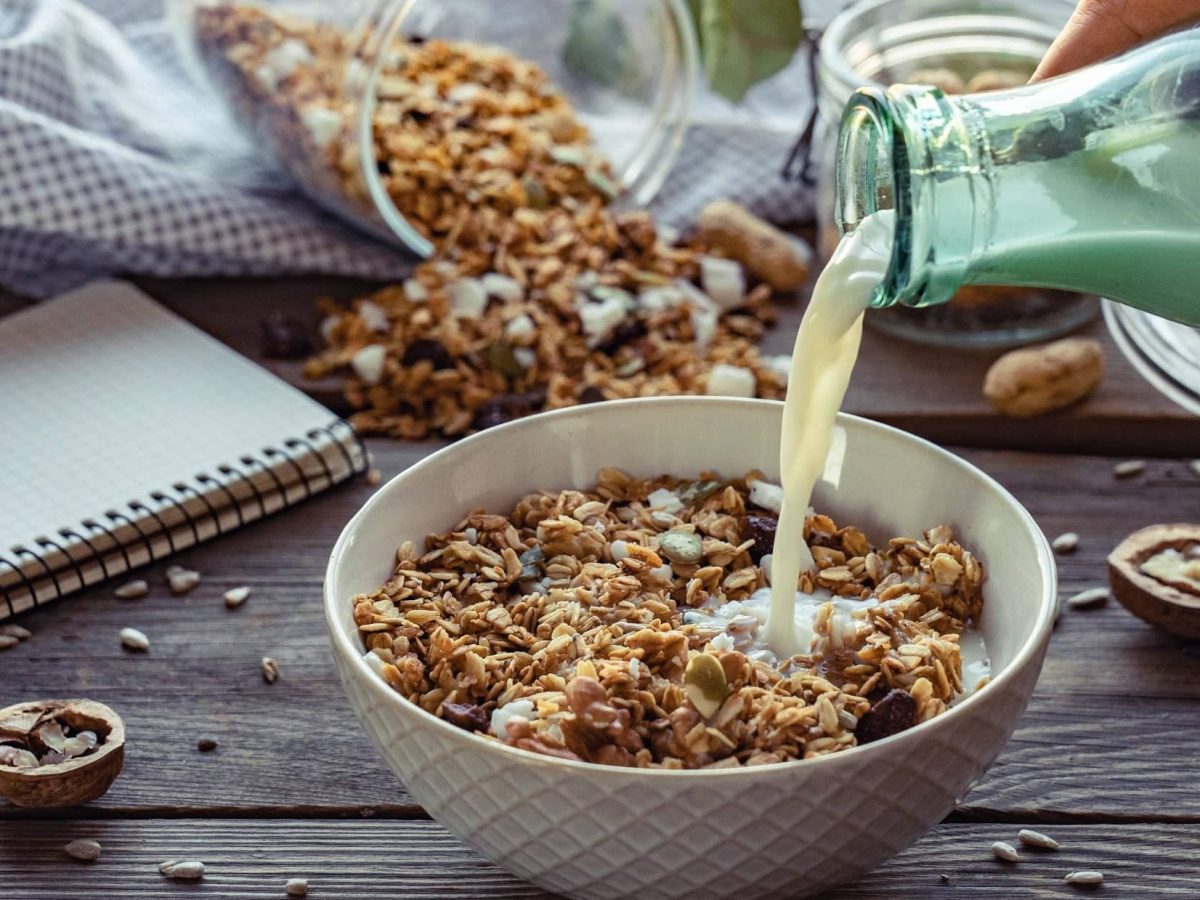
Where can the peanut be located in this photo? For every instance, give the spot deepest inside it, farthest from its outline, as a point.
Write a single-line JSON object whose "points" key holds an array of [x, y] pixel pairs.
{"points": [[1036, 380], [779, 259]]}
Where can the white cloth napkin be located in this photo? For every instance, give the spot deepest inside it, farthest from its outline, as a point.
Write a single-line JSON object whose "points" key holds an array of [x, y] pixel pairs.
{"points": [[117, 162]]}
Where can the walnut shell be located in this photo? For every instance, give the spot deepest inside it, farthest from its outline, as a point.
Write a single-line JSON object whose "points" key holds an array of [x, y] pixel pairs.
{"points": [[77, 780], [1174, 609], [1036, 380]]}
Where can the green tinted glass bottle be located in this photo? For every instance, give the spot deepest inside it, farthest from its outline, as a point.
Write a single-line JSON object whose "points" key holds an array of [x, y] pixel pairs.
{"points": [[1088, 182]]}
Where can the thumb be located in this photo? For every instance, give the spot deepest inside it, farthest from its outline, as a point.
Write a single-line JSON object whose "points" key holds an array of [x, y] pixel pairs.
{"points": [[1099, 29]]}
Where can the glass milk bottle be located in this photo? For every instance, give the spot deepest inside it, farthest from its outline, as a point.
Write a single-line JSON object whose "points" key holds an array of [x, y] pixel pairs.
{"points": [[1086, 182]]}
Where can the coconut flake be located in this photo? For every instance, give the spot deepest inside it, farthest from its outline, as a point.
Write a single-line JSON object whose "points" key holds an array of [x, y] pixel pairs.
{"points": [[367, 363], [323, 124], [502, 287], [730, 381], [282, 60], [599, 319], [415, 292], [722, 642], [373, 316], [766, 495], [468, 299], [520, 328], [656, 299], [664, 499], [503, 715], [723, 281]]}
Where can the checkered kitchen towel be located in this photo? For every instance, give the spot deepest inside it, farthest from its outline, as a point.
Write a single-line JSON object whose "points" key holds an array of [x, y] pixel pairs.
{"points": [[114, 160]]}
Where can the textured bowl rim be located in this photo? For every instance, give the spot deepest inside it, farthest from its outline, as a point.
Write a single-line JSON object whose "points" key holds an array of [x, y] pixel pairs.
{"points": [[345, 644]]}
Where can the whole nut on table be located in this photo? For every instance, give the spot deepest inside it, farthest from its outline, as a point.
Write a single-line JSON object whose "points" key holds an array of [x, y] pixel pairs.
{"points": [[1036, 380]]}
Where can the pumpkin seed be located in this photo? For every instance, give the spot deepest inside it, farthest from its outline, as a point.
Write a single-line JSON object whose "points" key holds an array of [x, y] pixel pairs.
{"points": [[698, 492], [134, 639], [1031, 838], [183, 870], [1096, 596], [131, 590], [83, 848], [235, 597], [681, 547], [1129, 468], [503, 359], [1065, 543], [1005, 851], [704, 683]]}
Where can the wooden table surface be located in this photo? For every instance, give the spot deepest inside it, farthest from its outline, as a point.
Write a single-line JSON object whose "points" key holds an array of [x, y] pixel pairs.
{"points": [[1106, 759]]}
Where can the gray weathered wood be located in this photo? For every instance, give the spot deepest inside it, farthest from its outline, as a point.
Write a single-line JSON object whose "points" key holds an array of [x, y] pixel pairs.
{"points": [[387, 859], [1114, 714]]}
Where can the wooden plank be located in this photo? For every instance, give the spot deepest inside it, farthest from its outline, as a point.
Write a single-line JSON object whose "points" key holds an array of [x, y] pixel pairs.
{"points": [[936, 393], [385, 859], [1115, 713]]}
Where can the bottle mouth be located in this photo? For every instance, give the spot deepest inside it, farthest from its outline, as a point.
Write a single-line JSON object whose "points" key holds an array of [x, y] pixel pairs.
{"points": [[871, 177]]}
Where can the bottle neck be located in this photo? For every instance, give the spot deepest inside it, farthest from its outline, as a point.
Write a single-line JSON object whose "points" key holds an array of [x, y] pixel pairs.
{"points": [[922, 154], [1084, 182]]}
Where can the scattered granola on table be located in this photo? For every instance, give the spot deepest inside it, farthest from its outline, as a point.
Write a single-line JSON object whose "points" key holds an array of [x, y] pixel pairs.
{"points": [[541, 295], [620, 626]]}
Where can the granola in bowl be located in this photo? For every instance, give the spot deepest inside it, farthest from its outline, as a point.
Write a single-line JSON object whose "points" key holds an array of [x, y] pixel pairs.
{"points": [[620, 625]]}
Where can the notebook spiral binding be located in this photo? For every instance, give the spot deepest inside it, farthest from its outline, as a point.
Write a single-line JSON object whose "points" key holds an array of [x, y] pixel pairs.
{"points": [[59, 572]]}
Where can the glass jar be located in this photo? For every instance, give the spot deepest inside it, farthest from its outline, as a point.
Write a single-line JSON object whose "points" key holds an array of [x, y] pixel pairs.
{"points": [[315, 83], [952, 42], [1165, 353]]}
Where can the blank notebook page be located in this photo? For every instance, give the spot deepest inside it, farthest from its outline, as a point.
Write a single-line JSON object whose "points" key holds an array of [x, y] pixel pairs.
{"points": [[106, 396]]}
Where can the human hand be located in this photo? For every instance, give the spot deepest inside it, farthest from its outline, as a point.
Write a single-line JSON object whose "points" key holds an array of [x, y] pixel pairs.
{"points": [[1101, 28]]}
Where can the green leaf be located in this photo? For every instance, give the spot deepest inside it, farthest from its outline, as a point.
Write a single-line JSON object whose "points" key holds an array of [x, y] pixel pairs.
{"points": [[745, 41], [598, 46]]}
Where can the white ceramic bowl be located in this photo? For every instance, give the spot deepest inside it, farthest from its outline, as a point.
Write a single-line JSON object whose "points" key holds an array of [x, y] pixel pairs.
{"points": [[785, 829]]}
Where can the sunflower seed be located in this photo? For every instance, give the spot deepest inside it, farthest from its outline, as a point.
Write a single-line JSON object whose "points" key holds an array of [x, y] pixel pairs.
{"points": [[1129, 468], [7, 641], [373, 477], [183, 870], [235, 597], [270, 670], [1086, 599], [1031, 838], [16, 631], [182, 580], [83, 848], [131, 590], [1065, 543], [296, 887], [1005, 851], [134, 639], [1085, 878]]}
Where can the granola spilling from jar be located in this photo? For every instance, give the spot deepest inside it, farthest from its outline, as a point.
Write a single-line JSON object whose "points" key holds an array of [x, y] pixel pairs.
{"points": [[541, 294], [621, 625]]}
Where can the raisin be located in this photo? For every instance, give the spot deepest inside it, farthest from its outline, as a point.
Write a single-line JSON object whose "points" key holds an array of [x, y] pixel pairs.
{"points": [[896, 712], [591, 394], [283, 337], [425, 349], [627, 331], [465, 715], [761, 529]]}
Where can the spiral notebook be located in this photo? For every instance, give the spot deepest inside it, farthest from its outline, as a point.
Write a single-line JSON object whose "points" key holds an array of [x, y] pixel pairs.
{"points": [[127, 434]]}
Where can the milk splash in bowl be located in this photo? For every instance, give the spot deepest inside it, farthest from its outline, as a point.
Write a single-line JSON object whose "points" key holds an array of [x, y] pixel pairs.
{"points": [[823, 358]]}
